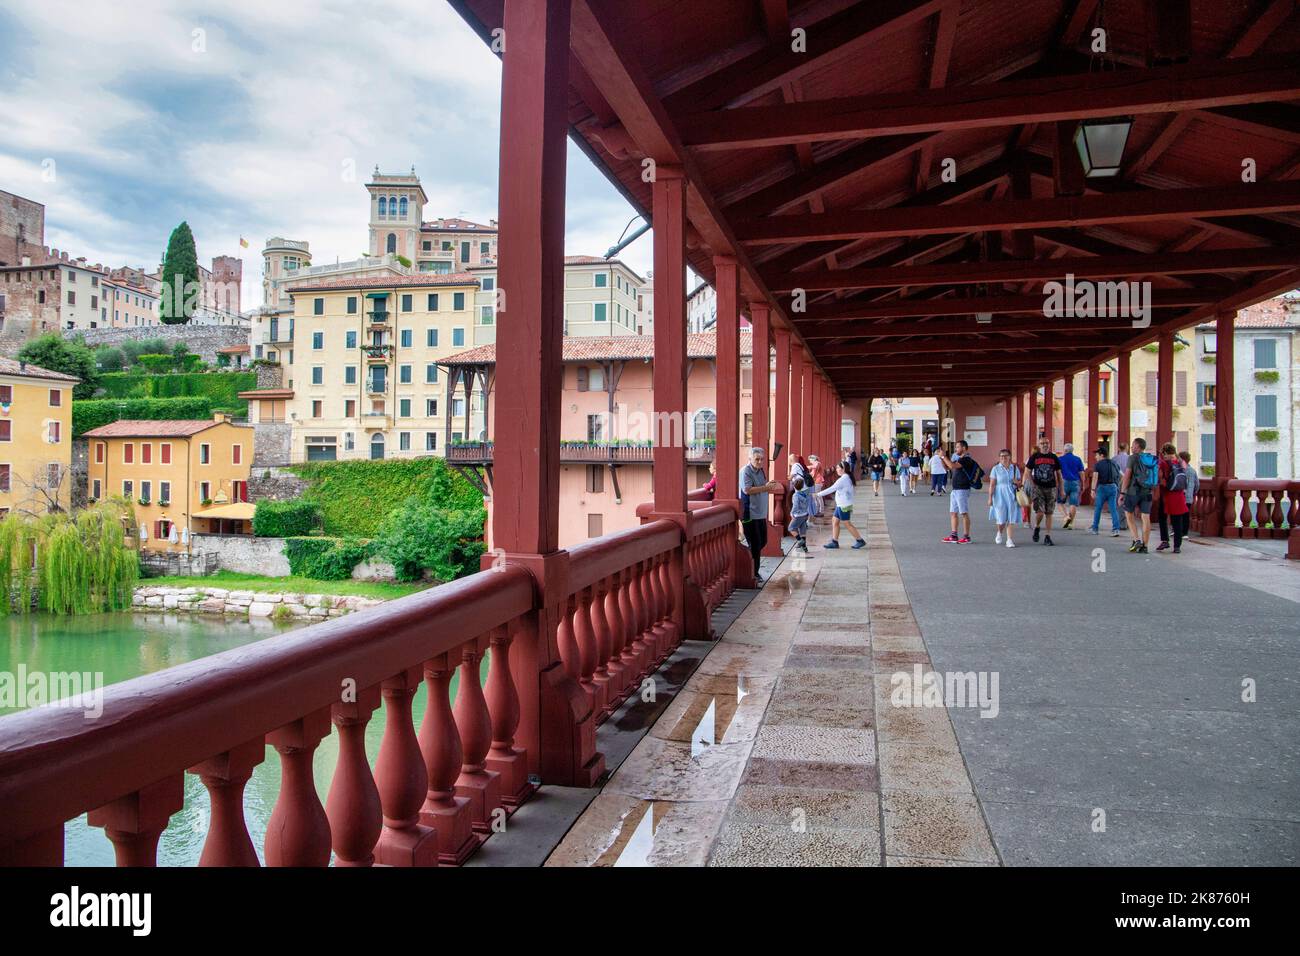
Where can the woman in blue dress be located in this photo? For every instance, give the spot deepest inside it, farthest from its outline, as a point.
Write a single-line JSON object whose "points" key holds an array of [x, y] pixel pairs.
{"points": [[1004, 509]]}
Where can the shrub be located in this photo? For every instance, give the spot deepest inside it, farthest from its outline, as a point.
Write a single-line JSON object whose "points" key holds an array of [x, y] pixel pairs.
{"points": [[134, 348], [419, 537], [71, 357], [285, 519], [110, 359], [356, 496], [1208, 414], [223, 389], [1271, 375], [157, 362], [1266, 434], [325, 559], [100, 411]]}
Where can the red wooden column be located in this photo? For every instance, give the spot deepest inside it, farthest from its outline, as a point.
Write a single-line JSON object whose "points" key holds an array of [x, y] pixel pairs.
{"points": [[781, 412], [1067, 411], [1008, 411], [760, 407], [727, 453], [1033, 420], [798, 446], [1025, 400], [1094, 425], [1123, 396], [1165, 390], [530, 273], [1225, 449]]}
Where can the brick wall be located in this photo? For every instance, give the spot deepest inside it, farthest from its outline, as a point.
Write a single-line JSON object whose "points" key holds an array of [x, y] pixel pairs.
{"points": [[22, 228], [275, 484]]}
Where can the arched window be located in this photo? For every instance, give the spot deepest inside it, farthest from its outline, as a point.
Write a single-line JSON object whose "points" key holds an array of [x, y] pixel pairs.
{"points": [[383, 207], [392, 207], [392, 242], [705, 427], [377, 446], [402, 205]]}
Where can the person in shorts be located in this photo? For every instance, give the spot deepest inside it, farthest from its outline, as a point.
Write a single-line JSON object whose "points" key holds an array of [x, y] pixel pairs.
{"points": [[876, 465], [1043, 480], [842, 489], [1071, 480], [1136, 490], [966, 474]]}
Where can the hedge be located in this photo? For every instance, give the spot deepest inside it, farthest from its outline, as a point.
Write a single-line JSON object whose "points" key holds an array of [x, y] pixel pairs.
{"points": [[356, 496], [325, 559], [222, 388], [91, 413], [285, 519]]}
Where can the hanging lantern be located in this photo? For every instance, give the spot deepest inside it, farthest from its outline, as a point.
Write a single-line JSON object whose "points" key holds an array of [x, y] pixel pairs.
{"points": [[1101, 143]]}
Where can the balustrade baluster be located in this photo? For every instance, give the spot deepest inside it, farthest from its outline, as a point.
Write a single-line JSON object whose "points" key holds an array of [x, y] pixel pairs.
{"points": [[1229, 505], [570, 653], [1275, 515], [636, 653], [225, 776], [507, 761], [653, 650], [600, 631], [1246, 518], [352, 806], [402, 779], [619, 676], [443, 811], [670, 601], [298, 833], [476, 783], [136, 821], [658, 635], [587, 651]]}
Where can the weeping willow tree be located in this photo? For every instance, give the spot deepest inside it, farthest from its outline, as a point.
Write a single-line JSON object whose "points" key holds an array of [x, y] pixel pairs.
{"points": [[75, 564]]}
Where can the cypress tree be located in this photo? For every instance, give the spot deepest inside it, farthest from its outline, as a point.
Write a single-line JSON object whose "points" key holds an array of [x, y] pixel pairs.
{"points": [[180, 272]]}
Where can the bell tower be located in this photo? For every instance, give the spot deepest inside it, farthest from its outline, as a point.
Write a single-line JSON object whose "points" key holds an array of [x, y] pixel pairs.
{"points": [[396, 211]]}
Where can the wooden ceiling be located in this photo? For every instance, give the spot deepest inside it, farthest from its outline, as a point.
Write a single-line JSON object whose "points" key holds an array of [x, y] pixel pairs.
{"points": [[912, 164]]}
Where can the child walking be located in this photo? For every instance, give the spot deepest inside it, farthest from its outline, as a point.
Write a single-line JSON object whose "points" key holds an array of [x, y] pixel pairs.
{"points": [[800, 508], [842, 489]]}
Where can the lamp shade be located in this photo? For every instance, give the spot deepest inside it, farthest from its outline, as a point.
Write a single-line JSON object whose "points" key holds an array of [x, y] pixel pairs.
{"points": [[1101, 143]]}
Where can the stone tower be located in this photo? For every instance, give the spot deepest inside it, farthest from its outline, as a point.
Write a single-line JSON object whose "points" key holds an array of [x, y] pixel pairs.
{"points": [[396, 212]]}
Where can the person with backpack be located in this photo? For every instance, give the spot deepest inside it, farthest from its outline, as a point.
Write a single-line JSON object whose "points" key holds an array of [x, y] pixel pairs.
{"points": [[1105, 491], [842, 489], [1004, 508], [1044, 472], [1137, 488], [1173, 498], [1193, 480], [967, 476]]}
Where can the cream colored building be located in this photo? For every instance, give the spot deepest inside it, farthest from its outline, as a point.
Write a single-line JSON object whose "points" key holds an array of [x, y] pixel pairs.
{"points": [[397, 227], [362, 379]]}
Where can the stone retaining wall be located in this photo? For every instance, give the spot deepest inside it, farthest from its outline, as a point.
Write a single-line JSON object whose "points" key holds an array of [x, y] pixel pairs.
{"points": [[213, 600], [203, 340]]}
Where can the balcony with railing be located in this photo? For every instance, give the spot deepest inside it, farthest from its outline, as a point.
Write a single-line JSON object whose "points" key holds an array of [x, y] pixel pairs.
{"points": [[585, 452]]}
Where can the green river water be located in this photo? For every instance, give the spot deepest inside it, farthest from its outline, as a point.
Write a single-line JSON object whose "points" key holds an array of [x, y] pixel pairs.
{"points": [[126, 645]]}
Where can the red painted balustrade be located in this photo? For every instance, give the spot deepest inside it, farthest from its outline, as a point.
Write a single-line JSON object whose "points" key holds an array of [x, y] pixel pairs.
{"points": [[621, 620], [1249, 508], [429, 799]]}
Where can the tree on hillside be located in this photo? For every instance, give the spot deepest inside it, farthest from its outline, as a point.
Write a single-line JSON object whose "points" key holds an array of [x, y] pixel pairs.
{"points": [[180, 278], [57, 354]]}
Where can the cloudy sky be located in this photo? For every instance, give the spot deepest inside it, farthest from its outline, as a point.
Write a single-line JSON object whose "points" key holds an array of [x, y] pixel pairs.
{"points": [[255, 119]]}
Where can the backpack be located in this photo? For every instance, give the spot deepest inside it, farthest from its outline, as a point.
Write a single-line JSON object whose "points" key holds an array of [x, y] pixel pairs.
{"points": [[1177, 477], [976, 480], [1146, 470]]}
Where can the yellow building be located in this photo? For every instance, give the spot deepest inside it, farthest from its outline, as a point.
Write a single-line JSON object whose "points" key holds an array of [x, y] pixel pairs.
{"points": [[35, 438], [362, 379], [184, 476]]}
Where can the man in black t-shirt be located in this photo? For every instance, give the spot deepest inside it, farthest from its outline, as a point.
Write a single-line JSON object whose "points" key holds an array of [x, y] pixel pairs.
{"points": [[1043, 471], [966, 474], [876, 465]]}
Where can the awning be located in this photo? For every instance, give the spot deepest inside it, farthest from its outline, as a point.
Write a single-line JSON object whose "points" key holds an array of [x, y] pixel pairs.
{"points": [[235, 511], [376, 295]]}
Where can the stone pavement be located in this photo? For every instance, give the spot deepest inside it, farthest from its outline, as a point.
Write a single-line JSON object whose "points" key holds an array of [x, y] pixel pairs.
{"points": [[1121, 690], [783, 747]]}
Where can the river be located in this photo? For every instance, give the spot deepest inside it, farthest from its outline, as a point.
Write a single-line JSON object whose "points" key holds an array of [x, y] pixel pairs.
{"points": [[126, 645]]}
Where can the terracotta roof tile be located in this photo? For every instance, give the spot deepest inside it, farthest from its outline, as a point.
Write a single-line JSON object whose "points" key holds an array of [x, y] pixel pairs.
{"points": [[603, 348], [10, 366], [419, 280], [133, 428]]}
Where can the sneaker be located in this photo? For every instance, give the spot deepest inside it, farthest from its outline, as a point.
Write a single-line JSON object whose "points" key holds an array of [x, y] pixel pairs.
{"points": [[1036, 534], [1115, 533], [951, 539], [1163, 546], [1093, 531], [1010, 543], [932, 494], [1047, 539], [997, 538], [1068, 523], [831, 545], [963, 540], [1132, 548], [859, 544], [1142, 549]]}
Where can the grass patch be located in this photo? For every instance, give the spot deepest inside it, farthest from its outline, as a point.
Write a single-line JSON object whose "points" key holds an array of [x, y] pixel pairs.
{"points": [[236, 581]]}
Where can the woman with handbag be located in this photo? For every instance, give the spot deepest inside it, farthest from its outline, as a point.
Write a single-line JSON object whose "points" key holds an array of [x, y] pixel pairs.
{"points": [[1005, 496]]}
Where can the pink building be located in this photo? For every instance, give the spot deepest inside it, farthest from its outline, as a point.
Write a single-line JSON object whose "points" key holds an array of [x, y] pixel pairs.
{"points": [[607, 423]]}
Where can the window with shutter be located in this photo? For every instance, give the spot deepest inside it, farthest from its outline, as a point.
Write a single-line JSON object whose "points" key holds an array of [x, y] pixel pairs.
{"points": [[1180, 390], [1180, 439], [1081, 386], [1151, 389], [582, 378], [1207, 448], [1266, 353]]}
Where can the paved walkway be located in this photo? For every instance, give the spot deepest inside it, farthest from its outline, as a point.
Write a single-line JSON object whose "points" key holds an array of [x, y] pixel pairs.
{"points": [[1121, 690], [1120, 733], [783, 749]]}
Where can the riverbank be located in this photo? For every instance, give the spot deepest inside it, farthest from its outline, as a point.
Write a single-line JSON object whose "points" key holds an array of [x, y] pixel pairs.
{"points": [[250, 596], [237, 581]]}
